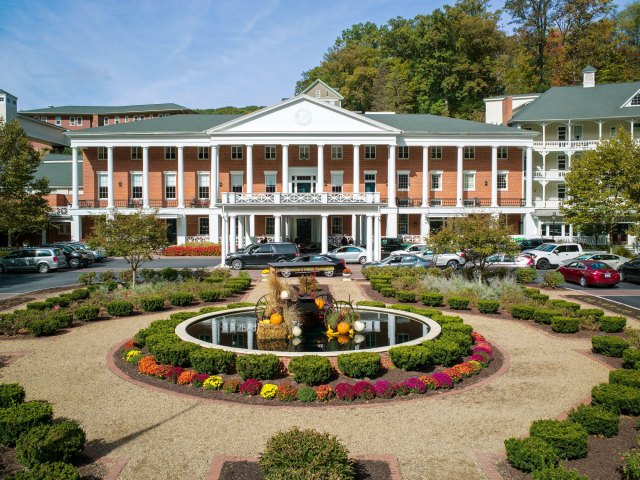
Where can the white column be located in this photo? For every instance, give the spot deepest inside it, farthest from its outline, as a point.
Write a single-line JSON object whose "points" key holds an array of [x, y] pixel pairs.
{"points": [[391, 329], [213, 176], [180, 177], [544, 135], [76, 228], [110, 177], [529, 181], [241, 231], [562, 230], [529, 225], [324, 234], [424, 226], [494, 176], [546, 231], [377, 233], [459, 174], [181, 227], [569, 133], [233, 237], [225, 238], [277, 237], [249, 168], [354, 229], [632, 121], [369, 240], [600, 130], [285, 168], [392, 224], [391, 176], [252, 226], [571, 231], [213, 228], [320, 178], [356, 168], [145, 177], [74, 177], [251, 325], [425, 175], [215, 331]]}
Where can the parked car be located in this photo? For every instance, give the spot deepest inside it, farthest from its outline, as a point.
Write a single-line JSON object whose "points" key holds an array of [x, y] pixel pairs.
{"points": [[42, 260], [402, 261], [350, 254], [75, 258], [99, 253], [614, 261], [508, 262], [310, 247], [338, 264], [390, 244], [553, 254], [630, 271], [451, 260], [587, 273], [416, 249], [259, 254], [526, 243]]}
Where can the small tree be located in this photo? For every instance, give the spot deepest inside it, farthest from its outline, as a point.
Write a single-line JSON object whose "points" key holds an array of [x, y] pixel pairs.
{"points": [[135, 236], [480, 236], [23, 206], [599, 185]]}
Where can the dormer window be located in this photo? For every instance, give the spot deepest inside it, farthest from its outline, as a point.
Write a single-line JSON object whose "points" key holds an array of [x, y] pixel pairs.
{"points": [[635, 101]]}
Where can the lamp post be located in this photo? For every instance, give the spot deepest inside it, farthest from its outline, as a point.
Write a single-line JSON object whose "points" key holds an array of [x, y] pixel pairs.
{"points": [[553, 226]]}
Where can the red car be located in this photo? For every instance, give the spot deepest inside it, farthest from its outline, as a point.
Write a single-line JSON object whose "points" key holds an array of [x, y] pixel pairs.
{"points": [[588, 273]]}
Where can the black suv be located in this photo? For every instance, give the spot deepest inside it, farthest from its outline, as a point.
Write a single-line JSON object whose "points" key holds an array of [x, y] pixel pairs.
{"points": [[390, 244], [259, 254], [528, 243], [75, 258]]}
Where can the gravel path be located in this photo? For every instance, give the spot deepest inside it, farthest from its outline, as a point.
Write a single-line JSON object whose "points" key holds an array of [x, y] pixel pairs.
{"points": [[169, 437]]}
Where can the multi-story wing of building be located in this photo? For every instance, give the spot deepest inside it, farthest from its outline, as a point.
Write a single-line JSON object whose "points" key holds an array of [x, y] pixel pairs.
{"points": [[567, 121]]}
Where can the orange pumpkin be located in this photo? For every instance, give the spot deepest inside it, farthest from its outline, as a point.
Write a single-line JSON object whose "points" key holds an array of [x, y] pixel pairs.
{"points": [[319, 303], [343, 328], [343, 339], [276, 318]]}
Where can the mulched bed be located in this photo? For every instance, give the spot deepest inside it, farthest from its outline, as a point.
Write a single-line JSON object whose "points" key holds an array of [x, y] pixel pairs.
{"points": [[602, 461], [392, 375], [244, 470]]}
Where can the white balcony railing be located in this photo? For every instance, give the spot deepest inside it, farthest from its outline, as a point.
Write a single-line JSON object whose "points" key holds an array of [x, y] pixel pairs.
{"points": [[552, 174], [553, 145], [547, 203], [299, 198], [59, 211]]}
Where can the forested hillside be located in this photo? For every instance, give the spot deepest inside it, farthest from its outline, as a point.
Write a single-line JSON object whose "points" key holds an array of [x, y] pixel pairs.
{"points": [[446, 62]]}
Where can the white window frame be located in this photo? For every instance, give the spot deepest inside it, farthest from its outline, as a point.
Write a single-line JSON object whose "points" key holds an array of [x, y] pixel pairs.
{"points": [[203, 184], [436, 152], [267, 186], [375, 179], [369, 152], [232, 184], [203, 153], [337, 225], [136, 153], [102, 153], [165, 184], [270, 152], [613, 131], [562, 158], [503, 153], [58, 120], [203, 231], [562, 132], [469, 153], [170, 153], [403, 152], [72, 121], [318, 93], [100, 175], [337, 152], [116, 120], [78, 121], [105, 120], [505, 173], [236, 152], [439, 174], [564, 191], [469, 174], [334, 176], [304, 152], [573, 132], [136, 175], [403, 173]]}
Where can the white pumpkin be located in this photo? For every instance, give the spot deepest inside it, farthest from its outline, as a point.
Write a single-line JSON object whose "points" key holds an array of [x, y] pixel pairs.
{"points": [[358, 325]]}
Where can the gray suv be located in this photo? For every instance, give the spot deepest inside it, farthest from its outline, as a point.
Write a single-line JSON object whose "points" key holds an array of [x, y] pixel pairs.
{"points": [[41, 259], [259, 254]]}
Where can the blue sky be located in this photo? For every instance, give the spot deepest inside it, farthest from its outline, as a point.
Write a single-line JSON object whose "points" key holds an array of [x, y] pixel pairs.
{"points": [[198, 53]]}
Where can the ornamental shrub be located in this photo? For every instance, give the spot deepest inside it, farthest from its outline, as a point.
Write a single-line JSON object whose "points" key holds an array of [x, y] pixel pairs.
{"points": [[631, 464], [305, 454], [458, 303], [62, 301], [324, 393], [11, 394], [251, 387], [540, 298], [557, 473], [180, 299], [306, 394], [552, 279], [268, 390], [384, 389], [612, 324], [64, 319], [364, 390], [40, 306], [43, 327], [617, 398], [631, 378], [411, 357], [152, 303], [211, 295], [565, 324], [345, 391], [370, 303], [462, 339], [442, 319], [360, 364], [169, 349], [488, 306], [559, 304], [388, 292], [48, 471], [79, 294], [214, 382], [87, 278], [180, 317], [231, 386], [211, 309], [522, 312], [415, 385], [526, 275], [530, 454], [310, 369], [596, 420], [212, 360], [545, 316], [406, 296], [287, 392], [119, 308], [16, 419], [593, 313], [60, 442], [444, 352], [457, 327], [258, 366], [608, 345], [86, 313], [631, 357], [569, 439]]}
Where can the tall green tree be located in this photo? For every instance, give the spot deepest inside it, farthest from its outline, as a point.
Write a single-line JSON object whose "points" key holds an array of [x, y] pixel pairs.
{"points": [[599, 193], [134, 236], [23, 206], [629, 23]]}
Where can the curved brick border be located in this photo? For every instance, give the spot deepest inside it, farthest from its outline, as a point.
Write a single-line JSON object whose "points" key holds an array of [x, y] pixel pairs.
{"points": [[506, 364]]}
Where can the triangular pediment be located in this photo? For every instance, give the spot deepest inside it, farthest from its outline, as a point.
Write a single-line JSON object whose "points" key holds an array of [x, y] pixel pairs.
{"points": [[303, 114]]}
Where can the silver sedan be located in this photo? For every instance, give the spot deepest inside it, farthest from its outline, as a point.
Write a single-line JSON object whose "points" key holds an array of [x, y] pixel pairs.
{"points": [[614, 261], [350, 254], [451, 260]]}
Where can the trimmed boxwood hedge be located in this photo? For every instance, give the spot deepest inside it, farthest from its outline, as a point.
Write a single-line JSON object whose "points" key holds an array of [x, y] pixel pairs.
{"points": [[388, 292], [63, 318], [359, 364], [406, 296], [464, 340], [411, 357], [43, 327], [152, 303], [258, 366], [370, 303], [211, 295], [79, 294], [119, 308], [171, 350], [612, 324], [522, 312], [458, 303], [16, 419], [180, 299], [569, 439], [86, 313], [488, 306], [557, 473], [630, 378], [444, 352], [608, 345], [565, 324], [60, 442], [617, 398], [594, 313], [11, 394], [432, 299], [310, 369], [529, 454], [631, 357], [545, 316], [48, 471], [596, 420], [212, 360]]}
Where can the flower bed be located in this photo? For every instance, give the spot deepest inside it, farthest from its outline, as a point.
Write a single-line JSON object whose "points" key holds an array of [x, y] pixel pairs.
{"points": [[205, 250]]}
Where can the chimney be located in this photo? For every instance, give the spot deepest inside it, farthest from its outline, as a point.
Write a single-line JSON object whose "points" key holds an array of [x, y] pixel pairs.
{"points": [[507, 110], [589, 77]]}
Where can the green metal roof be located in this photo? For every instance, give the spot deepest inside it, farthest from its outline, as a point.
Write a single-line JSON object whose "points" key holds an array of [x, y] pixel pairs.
{"points": [[57, 168], [186, 123], [107, 109], [433, 124], [580, 103]]}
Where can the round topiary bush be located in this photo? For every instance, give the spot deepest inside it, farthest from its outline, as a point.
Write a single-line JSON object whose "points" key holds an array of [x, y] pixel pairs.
{"points": [[79, 294], [552, 279], [488, 306], [617, 398], [530, 454], [212, 360], [458, 303], [305, 454], [261, 367], [16, 419], [596, 420], [180, 299], [545, 316], [406, 296], [612, 324], [569, 439], [592, 313], [608, 345], [565, 324], [557, 473], [60, 442], [631, 378], [360, 364], [11, 394], [40, 306], [119, 308], [526, 275], [310, 369], [86, 313], [432, 299], [211, 295], [48, 471], [388, 292], [43, 327], [64, 319], [169, 349], [631, 357], [411, 357], [152, 303], [522, 312], [444, 352]]}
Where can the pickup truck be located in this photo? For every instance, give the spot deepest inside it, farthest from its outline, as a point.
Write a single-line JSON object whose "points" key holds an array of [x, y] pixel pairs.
{"points": [[552, 254]]}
